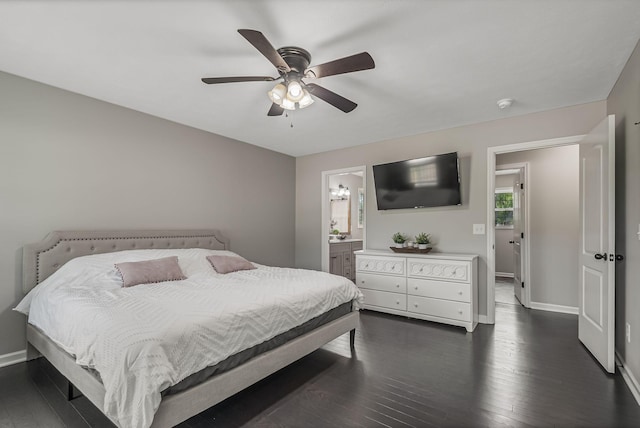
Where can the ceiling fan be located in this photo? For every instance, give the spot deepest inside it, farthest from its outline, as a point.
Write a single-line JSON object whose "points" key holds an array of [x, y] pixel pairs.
{"points": [[292, 64]]}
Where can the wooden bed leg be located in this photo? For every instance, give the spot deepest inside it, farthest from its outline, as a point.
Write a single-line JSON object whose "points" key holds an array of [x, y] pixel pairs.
{"points": [[71, 391], [352, 338]]}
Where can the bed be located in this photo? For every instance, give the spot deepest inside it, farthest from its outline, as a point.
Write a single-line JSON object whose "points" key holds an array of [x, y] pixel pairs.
{"points": [[190, 397]]}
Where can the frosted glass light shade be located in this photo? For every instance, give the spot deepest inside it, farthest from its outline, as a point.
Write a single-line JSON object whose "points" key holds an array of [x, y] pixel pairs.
{"points": [[277, 94], [294, 91], [287, 104], [306, 99]]}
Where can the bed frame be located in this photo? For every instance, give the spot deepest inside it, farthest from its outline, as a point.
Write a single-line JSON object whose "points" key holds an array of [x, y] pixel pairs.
{"points": [[43, 258]]}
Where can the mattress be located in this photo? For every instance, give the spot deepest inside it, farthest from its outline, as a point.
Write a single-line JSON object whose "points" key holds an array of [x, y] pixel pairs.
{"points": [[243, 356], [145, 339]]}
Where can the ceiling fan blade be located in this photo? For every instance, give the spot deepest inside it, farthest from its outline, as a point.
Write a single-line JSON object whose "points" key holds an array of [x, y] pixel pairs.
{"points": [[349, 64], [332, 98], [275, 110], [260, 42], [210, 80]]}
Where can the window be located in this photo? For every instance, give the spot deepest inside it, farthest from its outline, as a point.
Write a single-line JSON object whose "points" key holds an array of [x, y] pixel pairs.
{"points": [[504, 207]]}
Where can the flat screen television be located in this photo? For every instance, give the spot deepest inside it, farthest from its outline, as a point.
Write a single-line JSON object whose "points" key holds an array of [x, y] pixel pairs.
{"points": [[432, 181]]}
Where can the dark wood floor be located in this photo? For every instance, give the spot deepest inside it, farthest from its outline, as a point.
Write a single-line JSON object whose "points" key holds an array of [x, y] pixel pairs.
{"points": [[527, 370]]}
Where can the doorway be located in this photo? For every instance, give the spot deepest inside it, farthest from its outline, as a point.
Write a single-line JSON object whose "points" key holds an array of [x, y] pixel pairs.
{"points": [[595, 273], [504, 155], [511, 224], [343, 210]]}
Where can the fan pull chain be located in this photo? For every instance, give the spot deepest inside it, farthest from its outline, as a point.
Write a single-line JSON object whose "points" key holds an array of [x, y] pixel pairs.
{"points": [[287, 116]]}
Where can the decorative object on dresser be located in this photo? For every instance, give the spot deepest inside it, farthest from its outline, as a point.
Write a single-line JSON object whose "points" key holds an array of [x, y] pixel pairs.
{"points": [[399, 239], [341, 258], [423, 240], [410, 250], [436, 287]]}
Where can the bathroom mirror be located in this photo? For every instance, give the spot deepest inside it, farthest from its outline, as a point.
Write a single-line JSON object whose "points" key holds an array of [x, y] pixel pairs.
{"points": [[341, 215]]}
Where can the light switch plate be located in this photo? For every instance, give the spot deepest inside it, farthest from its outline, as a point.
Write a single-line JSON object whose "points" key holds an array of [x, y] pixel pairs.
{"points": [[478, 229]]}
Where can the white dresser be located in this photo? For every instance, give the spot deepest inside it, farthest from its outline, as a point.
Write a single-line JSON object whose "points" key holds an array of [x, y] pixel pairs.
{"points": [[436, 287]]}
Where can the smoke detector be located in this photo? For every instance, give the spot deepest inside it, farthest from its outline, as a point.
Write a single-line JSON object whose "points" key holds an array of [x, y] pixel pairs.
{"points": [[505, 103]]}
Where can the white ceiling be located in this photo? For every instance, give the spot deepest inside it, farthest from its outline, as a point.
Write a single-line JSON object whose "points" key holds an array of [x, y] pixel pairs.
{"points": [[439, 64]]}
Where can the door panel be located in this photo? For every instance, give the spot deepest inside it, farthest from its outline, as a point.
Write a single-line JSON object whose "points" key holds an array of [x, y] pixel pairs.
{"points": [[597, 242], [592, 287]]}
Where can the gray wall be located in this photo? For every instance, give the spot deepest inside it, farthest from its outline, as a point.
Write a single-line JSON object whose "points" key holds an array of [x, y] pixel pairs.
{"points": [[353, 182], [451, 226], [624, 102], [504, 250], [554, 213], [72, 162]]}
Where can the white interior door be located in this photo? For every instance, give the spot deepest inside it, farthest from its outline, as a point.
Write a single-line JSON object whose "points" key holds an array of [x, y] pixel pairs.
{"points": [[518, 228], [597, 243]]}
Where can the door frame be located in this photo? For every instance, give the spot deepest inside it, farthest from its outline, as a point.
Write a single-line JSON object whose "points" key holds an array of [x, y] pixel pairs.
{"points": [[492, 152], [526, 277], [326, 208]]}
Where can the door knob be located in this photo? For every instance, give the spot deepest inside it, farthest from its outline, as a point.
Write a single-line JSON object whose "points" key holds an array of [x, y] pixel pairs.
{"points": [[601, 256], [511, 242], [619, 257]]}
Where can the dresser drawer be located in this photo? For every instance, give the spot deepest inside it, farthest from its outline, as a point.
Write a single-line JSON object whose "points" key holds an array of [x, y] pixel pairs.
{"points": [[395, 284], [451, 270], [439, 308], [439, 289], [384, 299], [384, 265]]}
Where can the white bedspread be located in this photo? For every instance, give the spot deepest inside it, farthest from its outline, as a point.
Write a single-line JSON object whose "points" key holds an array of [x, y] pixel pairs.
{"points": [[145, 338]]}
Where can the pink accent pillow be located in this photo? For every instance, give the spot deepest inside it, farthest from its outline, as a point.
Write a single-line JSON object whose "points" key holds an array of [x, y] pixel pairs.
{"points": [[150, 271], [228, 264]]}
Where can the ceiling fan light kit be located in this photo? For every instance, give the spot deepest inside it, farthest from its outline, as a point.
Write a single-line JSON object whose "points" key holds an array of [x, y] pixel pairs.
{"points": [[291, 95], [292, 64]]}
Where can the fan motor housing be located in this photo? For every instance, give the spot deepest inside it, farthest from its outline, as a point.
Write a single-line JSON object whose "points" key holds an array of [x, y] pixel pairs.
{"points": [[297, 58]]}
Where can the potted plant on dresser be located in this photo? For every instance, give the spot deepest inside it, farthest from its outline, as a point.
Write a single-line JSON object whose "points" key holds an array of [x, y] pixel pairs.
{"points": [[399, 239], [423, 241]]}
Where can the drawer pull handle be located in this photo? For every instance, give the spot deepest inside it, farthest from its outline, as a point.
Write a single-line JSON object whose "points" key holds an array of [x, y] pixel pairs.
{"points": [[416, 287], [460, 312], [362, 281], [397, 285], [460, 293], [415, 304], [421, 269], [397, 302]]}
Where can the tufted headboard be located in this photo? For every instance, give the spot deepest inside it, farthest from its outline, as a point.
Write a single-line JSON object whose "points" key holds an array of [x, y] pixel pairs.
{"points": [[41, 259]]}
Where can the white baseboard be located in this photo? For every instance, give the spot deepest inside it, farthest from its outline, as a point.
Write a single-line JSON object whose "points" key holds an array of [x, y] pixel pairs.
{"points": [[504, 274], [13, 358], [628, 377], [554, 308]]}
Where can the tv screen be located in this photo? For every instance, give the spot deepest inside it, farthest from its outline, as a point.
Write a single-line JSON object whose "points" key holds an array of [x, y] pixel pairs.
{"points": [[417, 183]]}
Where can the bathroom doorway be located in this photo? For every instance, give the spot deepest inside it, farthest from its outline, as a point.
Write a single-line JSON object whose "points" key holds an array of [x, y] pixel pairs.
{"points": [[343, 218]]}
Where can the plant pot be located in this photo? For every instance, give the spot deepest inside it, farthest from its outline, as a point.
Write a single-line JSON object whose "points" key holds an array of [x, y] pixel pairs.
{"points": [[401, 245], [422, 246]]}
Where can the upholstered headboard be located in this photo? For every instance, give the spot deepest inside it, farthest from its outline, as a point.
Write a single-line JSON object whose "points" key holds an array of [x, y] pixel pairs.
{"points": [[41, 259]]}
